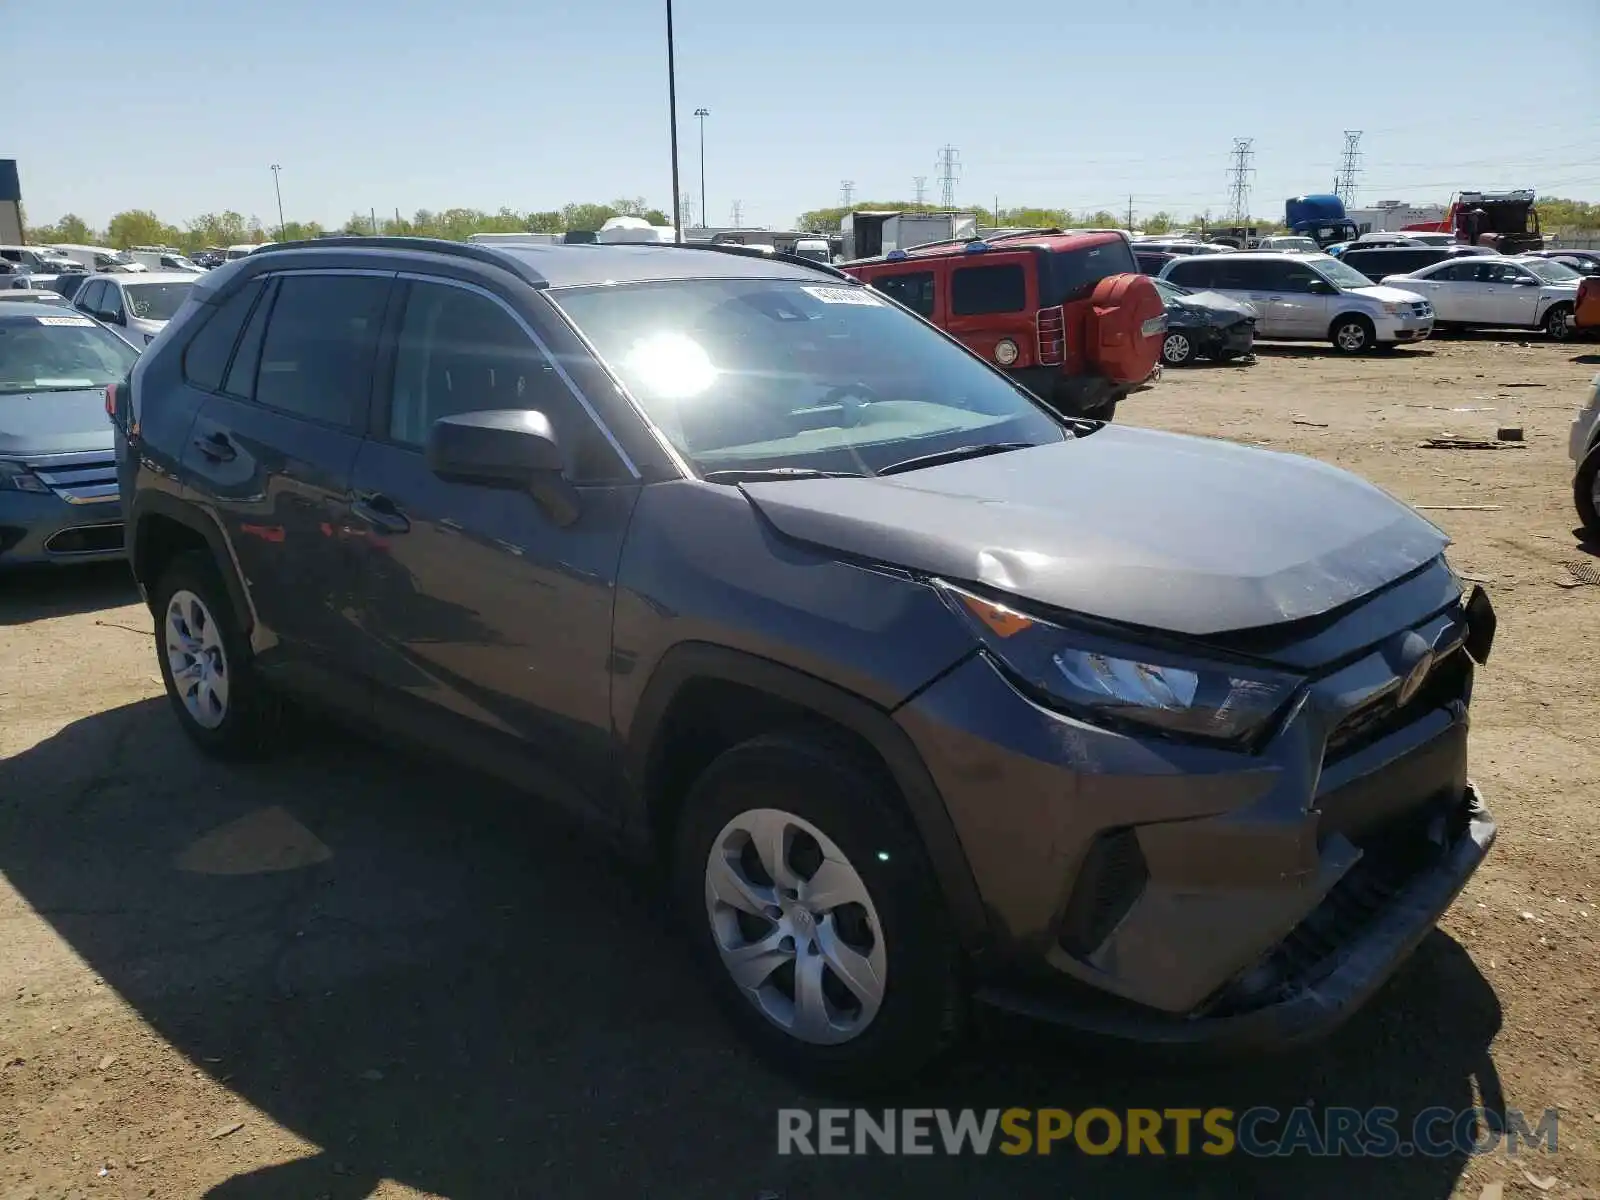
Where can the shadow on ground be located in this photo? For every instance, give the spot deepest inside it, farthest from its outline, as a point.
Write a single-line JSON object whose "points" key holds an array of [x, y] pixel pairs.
{"points": [[36, 593], [1326, 350], [535, 1027]]}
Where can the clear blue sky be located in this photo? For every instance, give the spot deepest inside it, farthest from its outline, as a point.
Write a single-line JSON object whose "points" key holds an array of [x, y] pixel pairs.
{"points": [[180, 107]]}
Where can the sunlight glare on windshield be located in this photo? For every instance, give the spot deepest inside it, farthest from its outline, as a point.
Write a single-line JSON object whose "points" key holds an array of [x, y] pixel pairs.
{"points": [[671, 366]]}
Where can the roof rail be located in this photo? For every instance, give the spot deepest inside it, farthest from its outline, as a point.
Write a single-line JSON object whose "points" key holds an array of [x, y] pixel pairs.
{"points": [[478, 251]]}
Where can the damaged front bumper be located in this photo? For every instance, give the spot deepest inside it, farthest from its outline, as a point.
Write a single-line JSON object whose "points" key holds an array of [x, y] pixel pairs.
{"points": [[1289, 1009]]}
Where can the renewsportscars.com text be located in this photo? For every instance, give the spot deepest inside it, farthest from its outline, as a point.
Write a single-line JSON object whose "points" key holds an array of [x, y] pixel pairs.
{"points": [[1259, 1132]]}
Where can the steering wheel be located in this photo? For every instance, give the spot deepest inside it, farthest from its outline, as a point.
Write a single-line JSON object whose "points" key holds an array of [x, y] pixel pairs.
{"points": [[852, 409]]}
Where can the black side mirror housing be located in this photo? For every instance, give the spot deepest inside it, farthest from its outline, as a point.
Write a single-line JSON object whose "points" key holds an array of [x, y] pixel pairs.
{"points": [[516, 449], [1321, 287]]}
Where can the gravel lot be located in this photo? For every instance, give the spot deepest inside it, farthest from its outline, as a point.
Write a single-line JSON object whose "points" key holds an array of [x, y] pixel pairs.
{"points": [[345, 973]]}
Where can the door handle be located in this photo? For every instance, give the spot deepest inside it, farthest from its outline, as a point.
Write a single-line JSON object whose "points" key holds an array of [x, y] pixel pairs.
{"points": [[380, 512], [216, 447]]}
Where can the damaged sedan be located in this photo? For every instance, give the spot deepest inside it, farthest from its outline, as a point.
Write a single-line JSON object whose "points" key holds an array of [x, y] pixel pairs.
{"points": [[920, 692]]}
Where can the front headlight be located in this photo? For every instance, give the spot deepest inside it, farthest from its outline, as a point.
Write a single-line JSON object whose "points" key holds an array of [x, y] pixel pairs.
{"points": [[1117, 685], [14, 477], [1397, 308]]}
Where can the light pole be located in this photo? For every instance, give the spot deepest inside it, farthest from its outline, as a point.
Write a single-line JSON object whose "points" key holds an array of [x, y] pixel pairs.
{"points": [[672, 113], [276, 187], [700, 114]]}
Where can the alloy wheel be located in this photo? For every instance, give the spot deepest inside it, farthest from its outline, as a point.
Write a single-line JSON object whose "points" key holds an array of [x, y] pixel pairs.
{"points": [[1351, 337], [1559, 325], [196, 659], [795, 926], [1176, 349]]}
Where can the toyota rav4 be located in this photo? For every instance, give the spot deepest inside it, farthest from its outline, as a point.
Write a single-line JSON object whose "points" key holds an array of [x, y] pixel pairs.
{"points": [[921, 692]]}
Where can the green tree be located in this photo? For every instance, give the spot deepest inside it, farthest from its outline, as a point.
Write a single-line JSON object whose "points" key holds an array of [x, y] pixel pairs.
{"points": [[69, 230], [215, 229], [1158, 223], [140, 227]]}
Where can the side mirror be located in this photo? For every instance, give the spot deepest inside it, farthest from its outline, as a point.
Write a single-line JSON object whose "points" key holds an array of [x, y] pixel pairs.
{"points": [[1524, 281], [515, 449], [1321, 287], [111, 318]]}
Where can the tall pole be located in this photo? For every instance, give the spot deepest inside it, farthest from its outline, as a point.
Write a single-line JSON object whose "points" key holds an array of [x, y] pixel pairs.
{"points": [[700, 114], [672, 112], [276, 187]]}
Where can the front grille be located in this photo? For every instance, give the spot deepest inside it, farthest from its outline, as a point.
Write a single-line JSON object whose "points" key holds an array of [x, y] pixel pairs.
{"points": [[1110, 880], [86, 539], [79, 478], [1449, 683], [1422, 309]]}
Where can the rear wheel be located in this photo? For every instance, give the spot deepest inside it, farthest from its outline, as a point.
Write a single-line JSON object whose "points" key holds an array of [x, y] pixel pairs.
{"points": [[1353, 335], [1558, 323], [814, 914], [1586, 492], [1177, 348], [206, 663]]}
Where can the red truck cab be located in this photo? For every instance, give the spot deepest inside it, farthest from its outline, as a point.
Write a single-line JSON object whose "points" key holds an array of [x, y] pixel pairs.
{"points": [[1068, 315]]}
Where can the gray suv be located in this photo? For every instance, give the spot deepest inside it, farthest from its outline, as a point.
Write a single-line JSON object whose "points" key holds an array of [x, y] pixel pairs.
{"points": [[920, 692]]}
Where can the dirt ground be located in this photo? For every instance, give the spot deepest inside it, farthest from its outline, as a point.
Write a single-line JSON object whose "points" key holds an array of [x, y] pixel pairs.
{"points": [[344, 973]]}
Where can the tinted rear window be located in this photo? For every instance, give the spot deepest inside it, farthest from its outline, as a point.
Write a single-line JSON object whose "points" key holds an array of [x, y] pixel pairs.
{"points": [[206, 357], [1075, 272], [316, 357], [1194, 273]]}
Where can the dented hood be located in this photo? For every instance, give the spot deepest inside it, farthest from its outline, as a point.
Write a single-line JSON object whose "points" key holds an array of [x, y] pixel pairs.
{"points": [[1185, 534]]}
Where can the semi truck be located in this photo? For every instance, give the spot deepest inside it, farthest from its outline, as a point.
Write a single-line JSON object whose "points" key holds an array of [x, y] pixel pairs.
{"points": [[1506, 222], [1320, 217]]}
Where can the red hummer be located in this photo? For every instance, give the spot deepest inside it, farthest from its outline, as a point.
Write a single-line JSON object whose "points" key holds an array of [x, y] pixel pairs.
{"points": [[1068, 315]]}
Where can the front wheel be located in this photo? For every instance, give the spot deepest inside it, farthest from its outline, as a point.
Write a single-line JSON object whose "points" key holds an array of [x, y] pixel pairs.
{"points": [[1177, 348], [814, 915], [1353, 335], [1558, 323]]}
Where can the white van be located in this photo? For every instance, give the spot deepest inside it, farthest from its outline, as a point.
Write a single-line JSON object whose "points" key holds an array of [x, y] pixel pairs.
{"points": [[635, 229], [244, 248], [100, 258], [157, 259]]}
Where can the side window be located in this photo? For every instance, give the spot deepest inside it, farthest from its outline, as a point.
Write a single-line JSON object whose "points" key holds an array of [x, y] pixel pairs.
{"points": [[978, 290], [316, 357], [241, 380], [458, 352], [1193, 273], [914, 290], [111, 301], [89, 295], [1233, 276], [205, 358], [1456, 272]]}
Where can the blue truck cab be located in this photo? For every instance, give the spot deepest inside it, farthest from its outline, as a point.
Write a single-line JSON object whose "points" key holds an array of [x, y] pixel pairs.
{"points": [[1321, 218]]}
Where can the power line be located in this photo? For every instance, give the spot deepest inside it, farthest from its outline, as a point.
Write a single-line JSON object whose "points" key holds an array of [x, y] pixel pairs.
{"points": [[1350, 167], [949, 165], [1239, 180], [920, 183], [847, 191]]}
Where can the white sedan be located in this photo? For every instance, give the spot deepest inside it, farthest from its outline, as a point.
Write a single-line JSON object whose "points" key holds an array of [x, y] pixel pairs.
{"points": [[1489, 290]]}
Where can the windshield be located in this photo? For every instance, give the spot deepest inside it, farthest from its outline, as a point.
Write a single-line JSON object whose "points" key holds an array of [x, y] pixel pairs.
{"points": [[1294, 243], [65, 353], [156, 301], [756, 374], [1341, 274], [1550, 272], [1075, 272]]}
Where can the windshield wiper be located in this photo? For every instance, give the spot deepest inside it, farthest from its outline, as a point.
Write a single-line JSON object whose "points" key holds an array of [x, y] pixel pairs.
{"points": [[955, 455], [768, 474]]}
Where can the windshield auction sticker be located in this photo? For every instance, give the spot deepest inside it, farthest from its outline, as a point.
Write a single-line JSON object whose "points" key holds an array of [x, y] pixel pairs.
{"points": [[79, 322], [842, 295]]}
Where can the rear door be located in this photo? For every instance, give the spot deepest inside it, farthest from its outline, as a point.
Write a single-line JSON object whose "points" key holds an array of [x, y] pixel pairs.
{"points": [[1260, 283], [1449, 289], [486, 621], [994, 299], [271, 455]]}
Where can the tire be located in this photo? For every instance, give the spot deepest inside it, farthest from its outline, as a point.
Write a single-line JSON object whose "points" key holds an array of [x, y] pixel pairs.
{"points": [[221, 703], [1178, 349], [828, 808], [1558, 326], [1586, 492], [1352, 334]]}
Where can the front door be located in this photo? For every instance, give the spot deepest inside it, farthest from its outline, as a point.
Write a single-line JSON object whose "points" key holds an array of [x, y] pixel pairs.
{"points": [[273, 458], [486, 621]]}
